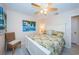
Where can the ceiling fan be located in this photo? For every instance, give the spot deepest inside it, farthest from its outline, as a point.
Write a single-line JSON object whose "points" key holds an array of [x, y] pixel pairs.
{"points": [[44, 9]]}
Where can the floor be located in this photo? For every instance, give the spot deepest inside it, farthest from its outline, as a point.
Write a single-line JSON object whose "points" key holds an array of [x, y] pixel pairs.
{"points": [[18, 51], [72, 51]]}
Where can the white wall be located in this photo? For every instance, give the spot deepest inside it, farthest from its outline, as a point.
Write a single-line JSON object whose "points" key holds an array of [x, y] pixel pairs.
{"points": [[56, 22], [62, 22], [2, 38], [14, 23]]}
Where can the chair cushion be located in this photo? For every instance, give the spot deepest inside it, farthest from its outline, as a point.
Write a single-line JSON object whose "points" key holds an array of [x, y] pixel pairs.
{"points": [[14, 42]]}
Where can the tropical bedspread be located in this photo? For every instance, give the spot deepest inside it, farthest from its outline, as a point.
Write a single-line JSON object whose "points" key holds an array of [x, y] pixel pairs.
{"points": [[53, 43]]}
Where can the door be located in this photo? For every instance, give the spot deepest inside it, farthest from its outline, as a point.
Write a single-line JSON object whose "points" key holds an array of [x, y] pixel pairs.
{"points": [[74, 30]]}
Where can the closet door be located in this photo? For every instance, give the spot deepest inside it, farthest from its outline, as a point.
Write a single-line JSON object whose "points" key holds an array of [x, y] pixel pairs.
{"points": [[75, 30]]}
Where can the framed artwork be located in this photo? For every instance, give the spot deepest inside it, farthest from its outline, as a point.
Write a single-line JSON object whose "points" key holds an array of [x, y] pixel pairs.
{"points": [[1, 24], [2, 19], [29, 25]]}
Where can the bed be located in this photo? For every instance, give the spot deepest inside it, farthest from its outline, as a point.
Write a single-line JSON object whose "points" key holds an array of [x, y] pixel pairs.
{"points": [[45, 44]]}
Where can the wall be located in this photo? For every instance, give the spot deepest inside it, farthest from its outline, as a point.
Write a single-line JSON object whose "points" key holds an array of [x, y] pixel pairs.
{"points": [[62, 22], [56, 22], [14, 23], [2, 38], [41, 27]]}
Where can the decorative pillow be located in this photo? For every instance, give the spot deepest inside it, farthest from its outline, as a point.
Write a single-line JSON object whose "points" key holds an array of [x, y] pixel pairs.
{"points": [[60, 34], [44, 32], [57, 33], [49, 32]]}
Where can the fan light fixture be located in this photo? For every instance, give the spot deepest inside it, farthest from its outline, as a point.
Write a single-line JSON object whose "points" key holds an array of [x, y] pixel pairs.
{"points": [[44, 11], [44, 8]]}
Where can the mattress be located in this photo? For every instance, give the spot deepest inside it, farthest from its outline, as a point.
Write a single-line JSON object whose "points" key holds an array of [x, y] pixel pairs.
{"points": [[53, 43]]}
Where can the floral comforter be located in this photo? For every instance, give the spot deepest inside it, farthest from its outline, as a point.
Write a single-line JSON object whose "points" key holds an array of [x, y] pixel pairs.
{"points": [[52, 43]]}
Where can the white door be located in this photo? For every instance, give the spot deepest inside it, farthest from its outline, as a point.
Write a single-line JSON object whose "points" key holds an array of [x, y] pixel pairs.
{"points": [[74, 30]]}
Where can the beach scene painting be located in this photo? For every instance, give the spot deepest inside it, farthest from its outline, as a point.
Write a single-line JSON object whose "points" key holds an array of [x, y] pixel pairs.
{"points": [[29, 25]]}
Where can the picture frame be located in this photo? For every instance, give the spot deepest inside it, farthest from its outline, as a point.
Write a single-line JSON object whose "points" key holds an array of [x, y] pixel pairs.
{"points": [[29, 25]]}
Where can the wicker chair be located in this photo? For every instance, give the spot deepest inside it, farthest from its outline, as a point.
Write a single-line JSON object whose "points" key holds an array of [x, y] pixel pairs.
{"points": [[12, 43]]}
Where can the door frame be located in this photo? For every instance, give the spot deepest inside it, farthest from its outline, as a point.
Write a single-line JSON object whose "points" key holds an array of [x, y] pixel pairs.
{"points": [[76, 38]]}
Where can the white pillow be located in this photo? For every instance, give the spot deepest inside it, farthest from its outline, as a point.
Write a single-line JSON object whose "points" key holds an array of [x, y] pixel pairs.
{"points": [[49, 32]]}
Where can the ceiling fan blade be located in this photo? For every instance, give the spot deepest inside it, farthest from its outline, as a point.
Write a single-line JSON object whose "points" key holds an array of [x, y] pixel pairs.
{"points": [[52, 9], [49, 5], [36, 5]]}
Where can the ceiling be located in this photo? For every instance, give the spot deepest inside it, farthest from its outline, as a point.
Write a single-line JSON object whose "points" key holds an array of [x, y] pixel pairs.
{"points": [[28, 9]]}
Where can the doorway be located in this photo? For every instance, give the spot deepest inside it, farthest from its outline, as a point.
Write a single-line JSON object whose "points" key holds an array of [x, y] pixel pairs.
{"points": [[75, 30]]}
